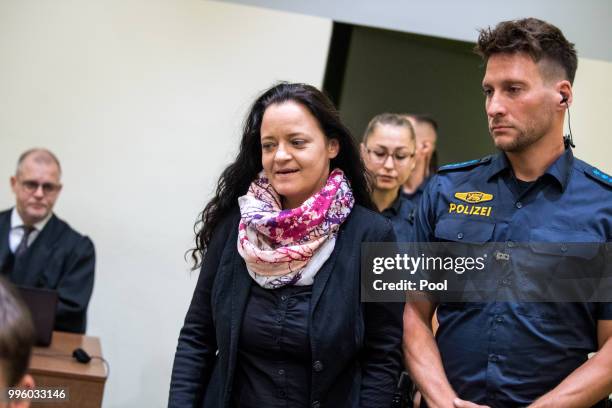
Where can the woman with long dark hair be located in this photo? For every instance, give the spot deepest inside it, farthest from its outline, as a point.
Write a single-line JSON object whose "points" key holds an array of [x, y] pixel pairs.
{"points": [[276, 318]]}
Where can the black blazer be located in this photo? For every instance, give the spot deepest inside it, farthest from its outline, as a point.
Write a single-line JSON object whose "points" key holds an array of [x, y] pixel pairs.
{"points": [[59, 258], [355, 346]]}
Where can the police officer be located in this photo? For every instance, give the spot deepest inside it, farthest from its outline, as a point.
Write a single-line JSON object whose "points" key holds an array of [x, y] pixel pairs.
{"points": [[388, 151], [426, 157], [510, 354]]}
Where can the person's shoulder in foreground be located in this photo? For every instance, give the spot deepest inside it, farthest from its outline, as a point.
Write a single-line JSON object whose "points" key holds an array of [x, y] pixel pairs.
{"points": [[16, 342]]}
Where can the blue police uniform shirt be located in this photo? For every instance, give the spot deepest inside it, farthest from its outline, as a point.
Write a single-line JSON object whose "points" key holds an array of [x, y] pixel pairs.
{"points": [[506, 354], [401, 214]]}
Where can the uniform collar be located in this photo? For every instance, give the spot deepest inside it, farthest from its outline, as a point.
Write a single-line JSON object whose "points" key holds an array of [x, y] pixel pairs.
{"points": [[394, 209], [421, 188], [499, 163], [560, 169]]}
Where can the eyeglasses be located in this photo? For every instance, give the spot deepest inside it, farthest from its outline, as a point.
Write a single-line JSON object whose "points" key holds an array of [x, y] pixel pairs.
{"points": [[47, 188], [380, 157]]}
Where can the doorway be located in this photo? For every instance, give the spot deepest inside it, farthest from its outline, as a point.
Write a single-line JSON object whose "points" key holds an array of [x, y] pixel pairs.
{"points": [[371, 70]]}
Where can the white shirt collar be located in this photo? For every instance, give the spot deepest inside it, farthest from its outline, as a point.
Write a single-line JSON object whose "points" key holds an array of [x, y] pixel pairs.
{"points": [[16, 220]]}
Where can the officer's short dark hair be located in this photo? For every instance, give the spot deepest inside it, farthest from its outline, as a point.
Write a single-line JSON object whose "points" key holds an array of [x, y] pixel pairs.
{"points": [[16, 335], [541, 40], [394, 119]]}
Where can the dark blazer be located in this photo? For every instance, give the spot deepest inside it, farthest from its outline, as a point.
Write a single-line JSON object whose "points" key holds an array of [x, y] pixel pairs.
{"points": [[355, 346], [59, 258]]}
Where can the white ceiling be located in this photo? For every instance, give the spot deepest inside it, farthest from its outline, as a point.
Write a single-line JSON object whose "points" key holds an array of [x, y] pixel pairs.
{"points": [[587, 23]]}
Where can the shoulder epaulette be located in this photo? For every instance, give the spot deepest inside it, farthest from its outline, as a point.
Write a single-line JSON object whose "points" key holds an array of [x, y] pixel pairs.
{"points": [[599, 176], [465, 165]]}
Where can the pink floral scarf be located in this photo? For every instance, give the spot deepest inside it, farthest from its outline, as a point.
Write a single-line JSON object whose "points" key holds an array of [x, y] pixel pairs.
{"points": [[288, 247]]}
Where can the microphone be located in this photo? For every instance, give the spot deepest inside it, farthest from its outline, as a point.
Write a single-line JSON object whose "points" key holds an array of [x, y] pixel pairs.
{"points": [[81, 356], [567, 139]]}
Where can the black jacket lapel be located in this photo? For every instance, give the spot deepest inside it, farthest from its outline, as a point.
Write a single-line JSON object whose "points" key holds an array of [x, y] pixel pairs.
{"points": [[5, 227], [30, 271], [241, 286], [323, 275]]}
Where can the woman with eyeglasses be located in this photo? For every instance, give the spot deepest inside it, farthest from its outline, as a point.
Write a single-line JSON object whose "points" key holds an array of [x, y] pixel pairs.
{"points": [[388, 149], [276, 318]]}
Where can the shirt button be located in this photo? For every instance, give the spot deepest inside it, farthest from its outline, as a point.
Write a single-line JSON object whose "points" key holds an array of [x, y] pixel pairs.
{"points": [[317, 366], [511, 244], [316, 404], [563, 248], [282, 394], [283, 298], [460, 235], [505, 281], [519, 205], [499, 319], [281, 372], [493, 358]]}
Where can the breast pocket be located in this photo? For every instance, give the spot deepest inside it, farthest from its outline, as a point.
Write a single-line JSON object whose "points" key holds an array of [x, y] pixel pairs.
{"points": [[464, 241], [559, 266], [464, 231], [567, 244]]}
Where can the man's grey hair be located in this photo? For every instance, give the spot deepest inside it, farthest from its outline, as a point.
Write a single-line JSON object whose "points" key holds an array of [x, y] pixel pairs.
{"points": [[39, 155]]}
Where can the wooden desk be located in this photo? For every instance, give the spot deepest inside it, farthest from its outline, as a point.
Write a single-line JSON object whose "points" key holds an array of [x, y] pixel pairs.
{"points": [[54, 366]]}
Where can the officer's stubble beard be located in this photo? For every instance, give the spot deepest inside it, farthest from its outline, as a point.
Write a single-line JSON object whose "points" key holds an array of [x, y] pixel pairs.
{"points": [[534, 130]]}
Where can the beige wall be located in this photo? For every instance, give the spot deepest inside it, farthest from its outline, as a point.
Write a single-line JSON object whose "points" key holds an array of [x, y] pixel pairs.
{"points": [[592, 111], [142, 101]]}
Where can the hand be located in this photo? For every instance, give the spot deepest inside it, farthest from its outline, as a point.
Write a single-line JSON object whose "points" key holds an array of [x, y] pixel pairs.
{"points": [[459, 403]]}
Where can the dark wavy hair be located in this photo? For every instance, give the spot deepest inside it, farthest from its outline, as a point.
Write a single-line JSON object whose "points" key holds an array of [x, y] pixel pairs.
{"points": [[537, 38], [236, 178]]}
